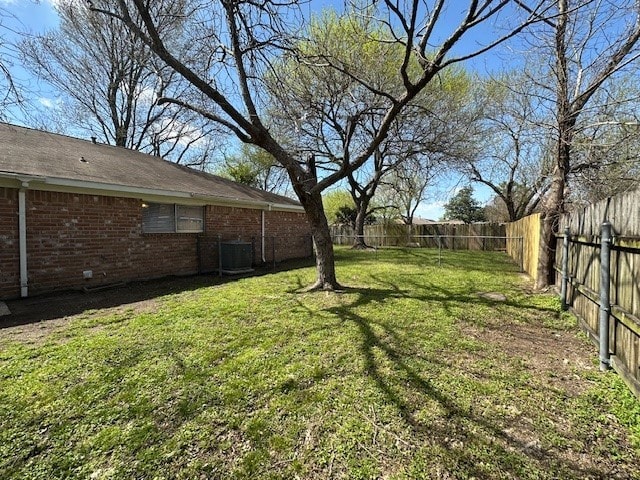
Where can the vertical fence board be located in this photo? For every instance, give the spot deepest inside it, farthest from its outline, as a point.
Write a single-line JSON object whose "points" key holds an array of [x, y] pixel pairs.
{"points": [[523, 243]]}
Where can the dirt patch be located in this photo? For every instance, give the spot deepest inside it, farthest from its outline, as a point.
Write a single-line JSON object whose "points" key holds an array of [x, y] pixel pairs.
{"points": [[34, 318], [36, 332], [559, 362], [558, 356]]}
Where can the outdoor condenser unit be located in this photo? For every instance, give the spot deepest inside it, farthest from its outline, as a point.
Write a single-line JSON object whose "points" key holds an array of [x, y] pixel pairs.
{"points": [[236, 257]]}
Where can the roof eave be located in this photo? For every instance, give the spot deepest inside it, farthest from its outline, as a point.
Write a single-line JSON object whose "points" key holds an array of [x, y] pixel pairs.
{"points": [[99, 187]]}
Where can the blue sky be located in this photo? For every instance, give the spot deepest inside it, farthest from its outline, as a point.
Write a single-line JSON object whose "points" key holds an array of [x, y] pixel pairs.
{"points": [[34, 17], [24, 17], [29, 16]]}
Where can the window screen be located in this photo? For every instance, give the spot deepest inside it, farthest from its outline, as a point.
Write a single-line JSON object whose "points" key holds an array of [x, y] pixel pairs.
{"points": [[190, 219], [158, 218], [171, 218]]}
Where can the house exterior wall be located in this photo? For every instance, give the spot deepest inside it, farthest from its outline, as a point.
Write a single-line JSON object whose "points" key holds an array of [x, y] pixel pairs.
{"points": [[287, 234], [289, 239], [70, 233], [9, 244]]}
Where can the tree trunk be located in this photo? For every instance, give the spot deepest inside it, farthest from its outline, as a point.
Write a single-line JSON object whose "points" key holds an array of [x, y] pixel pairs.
{"points": [[548, 228], [554, 204], [554, 207], [325, 261], [361, 215]]}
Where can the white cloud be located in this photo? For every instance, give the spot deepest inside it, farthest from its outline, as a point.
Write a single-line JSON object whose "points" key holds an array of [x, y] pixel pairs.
{"points": [[146, 95], [432, 210], [50, 102], [47, 102], [185, 133]]}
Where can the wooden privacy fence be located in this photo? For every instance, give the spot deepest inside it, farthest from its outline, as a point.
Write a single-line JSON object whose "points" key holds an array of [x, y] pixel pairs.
{"points": [[612, 320], [476, 236], [523, 243]]}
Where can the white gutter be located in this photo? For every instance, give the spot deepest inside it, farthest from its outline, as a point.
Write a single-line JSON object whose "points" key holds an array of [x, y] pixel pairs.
{"points": [[22, 236]]}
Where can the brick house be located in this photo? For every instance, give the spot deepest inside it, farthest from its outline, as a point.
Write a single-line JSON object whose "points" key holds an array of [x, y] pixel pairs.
{"points": [[76, 214]]}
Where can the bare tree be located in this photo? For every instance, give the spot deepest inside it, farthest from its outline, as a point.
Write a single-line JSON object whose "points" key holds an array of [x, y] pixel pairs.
{"points": [[613, 158], [111, 81], [9, 95], [315, 101], [590, 43], [512, 156], [236, 42], [408, 185], [606, 149], [319, 101]]}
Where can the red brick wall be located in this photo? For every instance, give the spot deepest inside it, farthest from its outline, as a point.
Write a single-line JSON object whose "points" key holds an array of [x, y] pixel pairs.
{"points": [[291, 234], [70, 233], [9, 246], [233, 222], [287, 234]]}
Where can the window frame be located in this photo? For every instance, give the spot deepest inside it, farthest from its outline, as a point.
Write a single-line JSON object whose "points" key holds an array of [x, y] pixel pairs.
{"points": [[154, 226], [177, 218]]}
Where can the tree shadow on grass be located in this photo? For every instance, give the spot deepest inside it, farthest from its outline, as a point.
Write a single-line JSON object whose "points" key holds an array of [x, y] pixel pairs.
{"points": [[512, 455], [465, 294], [468, 260]]}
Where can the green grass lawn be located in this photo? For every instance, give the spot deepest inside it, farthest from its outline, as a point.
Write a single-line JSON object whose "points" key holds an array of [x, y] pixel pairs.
{"points": [[409, 373]]}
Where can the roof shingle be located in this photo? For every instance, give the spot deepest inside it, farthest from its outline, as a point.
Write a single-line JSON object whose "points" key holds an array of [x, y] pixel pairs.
{"points": [[25, 151]]}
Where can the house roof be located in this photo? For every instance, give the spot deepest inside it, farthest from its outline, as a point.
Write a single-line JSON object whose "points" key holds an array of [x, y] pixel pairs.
{"points": [[59, 161]]}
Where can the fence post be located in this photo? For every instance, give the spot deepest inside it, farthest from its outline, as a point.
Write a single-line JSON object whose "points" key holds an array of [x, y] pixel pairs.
{"points": [[565, 269], [605, 285]]}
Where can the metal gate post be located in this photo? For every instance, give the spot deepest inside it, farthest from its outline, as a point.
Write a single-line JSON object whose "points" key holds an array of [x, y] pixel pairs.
{"points": [[605, 285], [565, 269]]}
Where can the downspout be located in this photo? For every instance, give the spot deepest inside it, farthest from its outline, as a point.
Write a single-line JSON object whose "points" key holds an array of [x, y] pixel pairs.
{"points": [[264, 233], [264, 257], [22, 236]]}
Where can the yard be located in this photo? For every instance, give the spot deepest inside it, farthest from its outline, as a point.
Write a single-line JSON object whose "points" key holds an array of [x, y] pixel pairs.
{"points": [[417, 370]]}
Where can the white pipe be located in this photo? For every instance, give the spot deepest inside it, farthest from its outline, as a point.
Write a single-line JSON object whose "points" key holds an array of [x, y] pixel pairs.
{"points": [[22, 235], [264, 258]]}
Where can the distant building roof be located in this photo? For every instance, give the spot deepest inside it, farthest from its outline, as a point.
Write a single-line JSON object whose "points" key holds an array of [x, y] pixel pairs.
{"points": [[452, 222], [423, 221], [66, 163], [426, 221]]}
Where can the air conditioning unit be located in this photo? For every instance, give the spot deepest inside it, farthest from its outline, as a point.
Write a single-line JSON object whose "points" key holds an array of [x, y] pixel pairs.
{"points": [[236, 257]]}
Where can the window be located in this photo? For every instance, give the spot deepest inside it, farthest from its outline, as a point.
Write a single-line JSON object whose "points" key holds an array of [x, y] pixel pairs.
{"points": [[189, 219], [171, 218]]}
